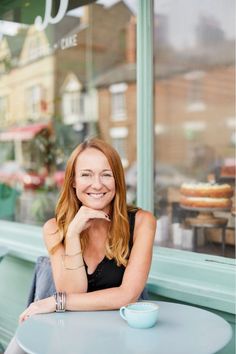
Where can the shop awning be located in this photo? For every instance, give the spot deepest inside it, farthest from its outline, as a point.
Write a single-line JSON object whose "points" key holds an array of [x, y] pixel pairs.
{"points": [[27, 132]]}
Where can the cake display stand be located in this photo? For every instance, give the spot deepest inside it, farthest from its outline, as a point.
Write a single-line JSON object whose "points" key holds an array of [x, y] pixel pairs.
{"points": [[207, 219]]}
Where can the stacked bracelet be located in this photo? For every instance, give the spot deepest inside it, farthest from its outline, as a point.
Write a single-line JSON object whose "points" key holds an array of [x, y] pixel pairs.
{"points": [[60, 298], [65, 258]]}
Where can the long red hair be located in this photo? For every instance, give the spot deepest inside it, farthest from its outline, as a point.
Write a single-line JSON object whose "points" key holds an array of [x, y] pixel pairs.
{"points": [[117, 244]]}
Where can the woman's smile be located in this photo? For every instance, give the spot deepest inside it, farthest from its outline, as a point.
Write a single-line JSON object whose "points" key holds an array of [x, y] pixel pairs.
{"points": [[94, 180], [96, 195]]}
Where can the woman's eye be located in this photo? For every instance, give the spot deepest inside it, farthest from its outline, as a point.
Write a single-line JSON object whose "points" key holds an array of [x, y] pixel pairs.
{"points": [[86, 175], [106, 175]]}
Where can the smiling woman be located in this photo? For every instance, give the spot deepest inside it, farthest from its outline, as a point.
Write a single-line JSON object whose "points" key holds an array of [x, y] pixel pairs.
{"points": [[95, 234], [100, 248]]}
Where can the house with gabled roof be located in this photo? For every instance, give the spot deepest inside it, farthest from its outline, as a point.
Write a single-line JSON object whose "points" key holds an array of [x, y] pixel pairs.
{"points": [[52, 72]]}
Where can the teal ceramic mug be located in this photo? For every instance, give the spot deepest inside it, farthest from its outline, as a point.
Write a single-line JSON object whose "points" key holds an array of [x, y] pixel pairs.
{"points": [[140, 314]]}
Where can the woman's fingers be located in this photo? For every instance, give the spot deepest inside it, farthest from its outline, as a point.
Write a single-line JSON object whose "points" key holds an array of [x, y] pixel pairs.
{"points": [[99, 215], [40, 306], [93, 213], [25, 315], [31, 310], [83, 218]]}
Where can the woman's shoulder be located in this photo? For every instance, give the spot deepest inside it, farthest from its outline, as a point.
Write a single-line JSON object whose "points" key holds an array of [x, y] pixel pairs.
{"points": [[140, 215], [145, 217], [50, 233], [50, 226]]}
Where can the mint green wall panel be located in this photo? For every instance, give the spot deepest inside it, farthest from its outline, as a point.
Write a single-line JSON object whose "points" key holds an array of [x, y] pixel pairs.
{"points": [[199, 279], [15, 279], [193, 278]]}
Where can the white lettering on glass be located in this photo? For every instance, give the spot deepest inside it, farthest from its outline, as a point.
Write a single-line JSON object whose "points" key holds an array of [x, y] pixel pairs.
{"points": [[69, 42], [41, 24]]}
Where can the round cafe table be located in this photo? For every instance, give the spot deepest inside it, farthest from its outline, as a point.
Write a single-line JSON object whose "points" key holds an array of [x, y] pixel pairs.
{"points": [[180, 329]]}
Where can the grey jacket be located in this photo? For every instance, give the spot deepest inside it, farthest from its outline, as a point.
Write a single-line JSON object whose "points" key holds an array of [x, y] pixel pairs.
{"points": [[42, 284]]}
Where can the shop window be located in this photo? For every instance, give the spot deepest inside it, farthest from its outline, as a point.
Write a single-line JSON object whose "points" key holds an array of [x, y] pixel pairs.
{"points": [[195, 99], [70, 107], [82, 105], [72, 100], [194, 120], [3, 110], [119, 141], [194, 129], [34, 102], [118, 101], [73, 73]]}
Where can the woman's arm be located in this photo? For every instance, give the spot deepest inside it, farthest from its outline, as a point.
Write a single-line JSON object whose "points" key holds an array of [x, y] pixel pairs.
{"points": [[135, 275], [68, 280], [67, 261], [134, 278]]}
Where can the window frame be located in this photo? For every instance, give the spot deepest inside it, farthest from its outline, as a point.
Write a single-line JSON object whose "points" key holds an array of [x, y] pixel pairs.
{"points": [[33, 108], [118, 101], [170, 267]]}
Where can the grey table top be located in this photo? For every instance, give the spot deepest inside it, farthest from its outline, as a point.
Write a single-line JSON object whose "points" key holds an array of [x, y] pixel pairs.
{"points": [[180, 329]]}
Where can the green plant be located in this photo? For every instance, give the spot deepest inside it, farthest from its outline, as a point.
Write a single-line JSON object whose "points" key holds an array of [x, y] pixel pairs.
{"points": [[43, 206]]}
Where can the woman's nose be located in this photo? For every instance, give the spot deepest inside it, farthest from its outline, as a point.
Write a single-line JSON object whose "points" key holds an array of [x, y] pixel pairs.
{"points": [[96, 182]]}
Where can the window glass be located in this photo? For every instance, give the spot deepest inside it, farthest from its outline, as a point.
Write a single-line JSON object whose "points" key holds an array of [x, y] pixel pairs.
{"points": [[63, 77], [119, 141], [3, 109], [118, 101], [194, 124]]}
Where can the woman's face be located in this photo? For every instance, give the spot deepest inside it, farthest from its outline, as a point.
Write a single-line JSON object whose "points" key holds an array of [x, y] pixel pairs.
{"points": [[94, 180]]}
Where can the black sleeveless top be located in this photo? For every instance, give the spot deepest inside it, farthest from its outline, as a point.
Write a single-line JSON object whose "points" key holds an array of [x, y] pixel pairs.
{"points": [[108, 274]]}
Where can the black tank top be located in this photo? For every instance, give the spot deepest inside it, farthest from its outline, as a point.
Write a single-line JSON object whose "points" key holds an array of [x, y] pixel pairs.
{"points": [[108, 274]]}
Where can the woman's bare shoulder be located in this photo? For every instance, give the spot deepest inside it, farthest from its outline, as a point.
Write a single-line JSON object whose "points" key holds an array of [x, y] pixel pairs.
{"points": [[144, 217], [50, 226], [145, 225], [50, 233]]}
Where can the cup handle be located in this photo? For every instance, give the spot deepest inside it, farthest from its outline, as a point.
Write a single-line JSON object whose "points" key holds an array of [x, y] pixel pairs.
{"points": [[122, 312]]}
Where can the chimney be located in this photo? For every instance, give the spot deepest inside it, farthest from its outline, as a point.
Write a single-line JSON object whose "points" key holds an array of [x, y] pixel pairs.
{"points": [[131, 41], [85, 18]]}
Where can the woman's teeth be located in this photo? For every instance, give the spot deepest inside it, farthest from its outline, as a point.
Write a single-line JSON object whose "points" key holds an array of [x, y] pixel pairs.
{"points": [[96, 195]]}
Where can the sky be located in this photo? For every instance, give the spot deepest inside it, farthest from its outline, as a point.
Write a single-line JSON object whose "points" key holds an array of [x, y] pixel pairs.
{"points": [[182, 17]]}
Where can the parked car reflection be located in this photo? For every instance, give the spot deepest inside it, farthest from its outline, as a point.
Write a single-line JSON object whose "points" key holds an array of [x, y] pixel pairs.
{"points": [[13, 174]]}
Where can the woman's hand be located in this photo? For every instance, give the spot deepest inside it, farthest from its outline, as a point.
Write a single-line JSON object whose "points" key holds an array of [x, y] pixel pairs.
{"points": [[41, 306], [83, 220]]}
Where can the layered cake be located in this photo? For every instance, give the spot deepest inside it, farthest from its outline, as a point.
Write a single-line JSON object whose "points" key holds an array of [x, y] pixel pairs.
{"points": [[206, 195]]}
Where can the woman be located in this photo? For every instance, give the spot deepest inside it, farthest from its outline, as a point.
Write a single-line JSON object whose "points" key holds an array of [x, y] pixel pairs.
{"points": [[100, 249]]}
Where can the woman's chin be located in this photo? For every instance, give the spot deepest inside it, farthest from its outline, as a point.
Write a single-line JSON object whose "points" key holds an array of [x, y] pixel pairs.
{"points": [[96, 205]]}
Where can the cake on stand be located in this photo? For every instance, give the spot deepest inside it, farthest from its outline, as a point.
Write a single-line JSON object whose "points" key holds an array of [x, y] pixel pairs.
{"points": [[206, 198], [206, 219]]}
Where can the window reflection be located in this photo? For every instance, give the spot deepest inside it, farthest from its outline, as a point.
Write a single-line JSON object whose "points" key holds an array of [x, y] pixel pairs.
{"points": [[77, 78], [58, 85], [194, 100]]}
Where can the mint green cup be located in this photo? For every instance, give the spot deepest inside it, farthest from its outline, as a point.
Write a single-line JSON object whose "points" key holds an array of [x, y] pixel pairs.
{"points": [[140, 314]]}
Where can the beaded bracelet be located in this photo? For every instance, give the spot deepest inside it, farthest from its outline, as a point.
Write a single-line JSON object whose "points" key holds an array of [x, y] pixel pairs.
{"points": [[60, 298]]}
